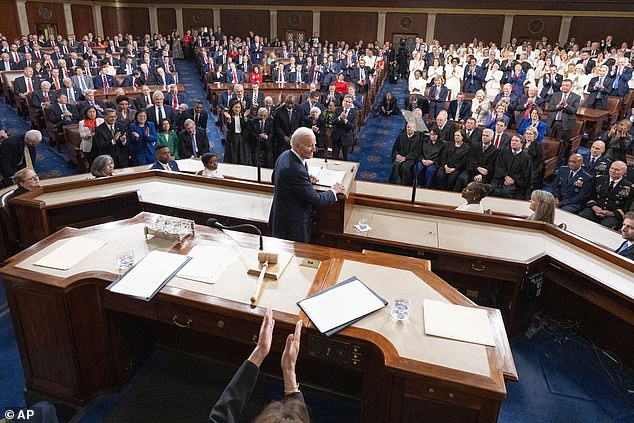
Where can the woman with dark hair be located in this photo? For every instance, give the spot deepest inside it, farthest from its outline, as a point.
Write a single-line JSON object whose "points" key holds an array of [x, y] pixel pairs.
{"points": [[430, 158], [453, 161], [167, 136], [237, 149], [534, 120], [535, 151], [87, 133], [256, 75], [291, 409], [473, 193], [125, 115], [142, 136]]}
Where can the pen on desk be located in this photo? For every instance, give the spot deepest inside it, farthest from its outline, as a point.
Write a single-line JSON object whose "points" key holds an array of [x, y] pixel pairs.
{"points": [[352, 170]]}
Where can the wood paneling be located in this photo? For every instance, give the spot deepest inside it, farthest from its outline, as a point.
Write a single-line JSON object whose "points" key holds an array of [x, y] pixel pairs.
{"points": [[82, 19], [195, 18], [243, 21], [295, 20], [166, 20], [454, 28], [348, 26], [591, 28], [39, 12], [133, 20], [10, 23], [393, 24], [521, 29]]}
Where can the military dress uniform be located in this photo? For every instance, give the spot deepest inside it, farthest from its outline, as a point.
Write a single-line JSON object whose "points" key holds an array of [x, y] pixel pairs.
{"points": [[617, 200], [596, 166], [572, 189]]}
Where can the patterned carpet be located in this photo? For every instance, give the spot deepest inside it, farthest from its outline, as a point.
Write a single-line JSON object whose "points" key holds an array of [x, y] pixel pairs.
{"points": [[374, 144]]}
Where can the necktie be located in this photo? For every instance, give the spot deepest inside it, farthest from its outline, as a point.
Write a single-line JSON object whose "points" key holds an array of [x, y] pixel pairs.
{"points": [[29, 86], [56, 81], [105, 82], [112, 131], [194, 147], [160, 114], [16, 58], [616, 80], [235, 77], [290, 115], [148, 102], [571, 175], [71, 94], [196, 118], [63, 106], [27, 157], [457, 117], [611, 185], [175, 101], [261, 126], [46, 97], [129, 70], [497, 141], [593, 161]]}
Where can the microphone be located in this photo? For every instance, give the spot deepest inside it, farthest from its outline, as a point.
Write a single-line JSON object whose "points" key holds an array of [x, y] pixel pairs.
{"points": [[214, 223]]}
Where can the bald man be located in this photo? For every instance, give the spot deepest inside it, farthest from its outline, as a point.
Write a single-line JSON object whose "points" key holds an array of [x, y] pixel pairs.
{"points": [[573, 185], [595, 163]]}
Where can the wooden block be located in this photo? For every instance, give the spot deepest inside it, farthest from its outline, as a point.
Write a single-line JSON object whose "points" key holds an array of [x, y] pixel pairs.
{"points": [[274, 271]]}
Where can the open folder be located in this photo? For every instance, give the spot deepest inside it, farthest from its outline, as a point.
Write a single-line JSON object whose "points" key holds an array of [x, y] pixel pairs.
{"points": [[326, 177], [146, 278], [339, 306]]}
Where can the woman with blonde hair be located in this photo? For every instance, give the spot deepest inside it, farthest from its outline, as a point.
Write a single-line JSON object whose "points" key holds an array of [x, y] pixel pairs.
{"points": [[480, 107], [543, 206]]}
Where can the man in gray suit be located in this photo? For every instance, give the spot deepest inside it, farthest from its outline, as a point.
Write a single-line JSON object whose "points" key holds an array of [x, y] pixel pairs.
{"points": [[82, 82], [562, 114]]}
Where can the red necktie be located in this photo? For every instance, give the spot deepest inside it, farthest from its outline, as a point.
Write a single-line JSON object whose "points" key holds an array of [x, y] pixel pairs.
{"points": [[105, 82], [235, 77], [56, 80], [29, 86], [16, 58], [315, 77], [46, 97], [497, 141], [175, 102]]}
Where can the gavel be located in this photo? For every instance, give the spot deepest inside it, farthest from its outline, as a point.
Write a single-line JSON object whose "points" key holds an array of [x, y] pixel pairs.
{"points": [[266, 259]]}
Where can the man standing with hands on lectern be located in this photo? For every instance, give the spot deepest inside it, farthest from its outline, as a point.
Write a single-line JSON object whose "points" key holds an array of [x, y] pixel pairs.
{"points": [[294, 196]]}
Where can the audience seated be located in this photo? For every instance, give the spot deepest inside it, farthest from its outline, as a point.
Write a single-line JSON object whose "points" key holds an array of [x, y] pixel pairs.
{"points": [[389, 105], [595, 163], [405, 154], [164, 159], [627, 230], [572, 185]]}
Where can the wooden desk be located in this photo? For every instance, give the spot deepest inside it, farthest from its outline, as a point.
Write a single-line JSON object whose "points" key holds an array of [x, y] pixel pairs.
{"points": [[110, 93], [277, 91], [598, 117], [78, 340]]}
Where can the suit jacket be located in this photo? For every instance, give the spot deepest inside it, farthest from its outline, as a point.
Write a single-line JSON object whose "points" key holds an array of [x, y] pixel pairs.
{"points": [[442, 93], [464, 112], [76, 93], [255, 131], [37, 98], [600, 166], [446, 133], [239, 76], [87, 81], [172, 164], [294, 199], [325, 99], [169, 98], [170, 114], [189, 114], [505, 141], [598, 97], [141, 102], [589, 65], [548, 83], [478, 158], [628, 252], [55, 113], [131, 81], [512, 103], [12, 65], [342, 131], [521, 103], [184, 140], [12, 157], [21, 87], [572, 191], [568, 113], [98, 82], [103, 144], [169, 79], [622, 85], [618, 200], [276, 75], [282, 126], [476, 136], [473, 81]]}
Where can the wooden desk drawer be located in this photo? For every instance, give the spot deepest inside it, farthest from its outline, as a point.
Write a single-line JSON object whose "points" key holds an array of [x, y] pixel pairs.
{"points": [[207, 322], [478, 267], [416, 389]]}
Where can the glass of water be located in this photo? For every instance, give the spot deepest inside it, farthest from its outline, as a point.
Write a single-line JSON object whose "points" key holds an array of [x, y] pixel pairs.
{"points": [[125, 258], [400, 308], [363, 225]]}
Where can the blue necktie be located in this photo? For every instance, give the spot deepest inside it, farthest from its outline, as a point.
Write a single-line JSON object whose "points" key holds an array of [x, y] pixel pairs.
{"points": [[194, 148]]}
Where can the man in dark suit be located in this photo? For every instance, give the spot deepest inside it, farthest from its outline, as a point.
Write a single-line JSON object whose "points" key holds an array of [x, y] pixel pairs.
{"points": [[474, 134], [256, 97], [61, 113], [481, 161], [473, 75], [103, 80], [331, 96], [345, 121], [294, 196], [501, 140], [72, 93], [562, 114], [6, 64], [512, 173], [611, 197], [507, 95], [26, 83], [360, 76], [90, 101], [234, 75], [13, 154], [173, 97], [163, 78], [163, 160], [144, 100], [586, 61], [444, 127], [261, 131], [313, 101], [526, 102], [595, 163], [197, 114], [572, 186], [147, 75], [132, 80], [599, 89], [459, 109], [43, 95], [287, 119], [159, 110], [279, 74], [619, 76], [110, 138], [192, 141], [127, 67], [627, 230], [551, 83]]}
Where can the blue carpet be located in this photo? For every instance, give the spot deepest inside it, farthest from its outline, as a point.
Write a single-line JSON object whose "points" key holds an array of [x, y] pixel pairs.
{"points": [[377, 136], [11, 376], [195, 90]]}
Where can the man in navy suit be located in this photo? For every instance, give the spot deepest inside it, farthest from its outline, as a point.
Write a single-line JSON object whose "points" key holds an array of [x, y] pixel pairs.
{"points": [[234, 75], [163, 160], [599, 89], [103, 80], [551, 83], [618, 77], [343, 127], [472, 77], [294, 196], [627, 230], [596, 163], [573, 185], [286, 121], [459, 110]]}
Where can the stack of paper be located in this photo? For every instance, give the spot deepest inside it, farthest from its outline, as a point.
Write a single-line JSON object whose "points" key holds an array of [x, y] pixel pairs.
{"points": [[149, 275], [468, 324], [326, 177], [207, 263], [341, 305], [68, 252]]}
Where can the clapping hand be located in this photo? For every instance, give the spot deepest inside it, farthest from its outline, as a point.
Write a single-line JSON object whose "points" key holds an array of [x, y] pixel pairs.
{"points": [[264, 339]]}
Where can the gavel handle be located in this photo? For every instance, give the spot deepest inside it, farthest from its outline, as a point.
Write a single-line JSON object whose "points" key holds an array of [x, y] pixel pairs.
{"points": [[260, 283]]}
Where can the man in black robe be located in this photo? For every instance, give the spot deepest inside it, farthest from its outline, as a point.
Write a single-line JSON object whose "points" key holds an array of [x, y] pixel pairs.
{"points": [[512, 171], [405, 153]]}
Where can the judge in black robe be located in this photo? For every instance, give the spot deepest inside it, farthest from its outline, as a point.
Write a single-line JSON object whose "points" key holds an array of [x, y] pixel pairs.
{"points": [[453, 161], [405, 153], [512, 171]]}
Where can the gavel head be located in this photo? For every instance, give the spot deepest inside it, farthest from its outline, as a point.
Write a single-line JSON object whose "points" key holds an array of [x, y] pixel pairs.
{"points": [[270, 257]]}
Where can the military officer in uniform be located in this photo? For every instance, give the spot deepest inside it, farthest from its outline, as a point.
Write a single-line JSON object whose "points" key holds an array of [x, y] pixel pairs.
{"points": [[596, 163], [572, 186], [611, 197]]}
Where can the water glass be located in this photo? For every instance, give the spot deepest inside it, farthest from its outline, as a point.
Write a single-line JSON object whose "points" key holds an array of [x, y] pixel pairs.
{"points": [[363, 225], [400, 308], [125, 258]]}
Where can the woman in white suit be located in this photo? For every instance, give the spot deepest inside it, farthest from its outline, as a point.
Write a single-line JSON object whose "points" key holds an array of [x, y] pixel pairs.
{"points": [[493, 78], [454, 74]]}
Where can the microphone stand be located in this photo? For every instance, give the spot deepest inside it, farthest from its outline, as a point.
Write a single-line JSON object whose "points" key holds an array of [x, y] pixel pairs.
{"points": [[414, 185], [215, 224], [257, 160]]}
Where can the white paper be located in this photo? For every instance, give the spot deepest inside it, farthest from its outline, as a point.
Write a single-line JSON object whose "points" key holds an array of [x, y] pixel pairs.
{"points": [[149, 274], [358, 228], [207, 263], [341, 305], [68, 252], [468, 324], [326, 177]]}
